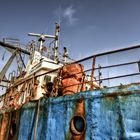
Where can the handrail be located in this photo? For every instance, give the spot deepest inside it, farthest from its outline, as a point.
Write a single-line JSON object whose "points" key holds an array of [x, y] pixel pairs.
{"points": [[108, 52], [120, 76]]}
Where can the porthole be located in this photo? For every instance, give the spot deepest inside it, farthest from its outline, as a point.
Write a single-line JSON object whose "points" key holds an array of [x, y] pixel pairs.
{"points": [[77, 125]]}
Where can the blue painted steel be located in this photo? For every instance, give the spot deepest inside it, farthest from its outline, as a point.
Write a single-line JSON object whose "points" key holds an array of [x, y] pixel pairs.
{"points": [[107, 117]]}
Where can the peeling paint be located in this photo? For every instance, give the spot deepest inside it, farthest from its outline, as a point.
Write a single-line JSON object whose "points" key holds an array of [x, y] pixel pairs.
{"points": [[110, 114]]}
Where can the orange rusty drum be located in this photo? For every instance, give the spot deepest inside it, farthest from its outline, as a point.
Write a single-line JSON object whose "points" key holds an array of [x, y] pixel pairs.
{"points": [[73, 70], [70, 86], [72, 76]]}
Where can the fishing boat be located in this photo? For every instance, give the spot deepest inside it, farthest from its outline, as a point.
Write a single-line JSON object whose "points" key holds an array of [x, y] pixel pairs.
{"points": [[55, 97]]}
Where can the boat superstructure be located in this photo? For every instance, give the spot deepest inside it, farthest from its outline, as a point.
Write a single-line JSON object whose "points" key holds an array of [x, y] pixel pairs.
{"points": [[28, 84]]}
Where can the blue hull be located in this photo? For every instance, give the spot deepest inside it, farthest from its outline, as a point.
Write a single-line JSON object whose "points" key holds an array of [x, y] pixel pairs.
{"points": [[110, 114]]}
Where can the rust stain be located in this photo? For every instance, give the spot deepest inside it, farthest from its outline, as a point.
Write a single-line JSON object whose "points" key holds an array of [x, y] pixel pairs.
{"points": [[80, 111], [72, 79], [4, 129]]}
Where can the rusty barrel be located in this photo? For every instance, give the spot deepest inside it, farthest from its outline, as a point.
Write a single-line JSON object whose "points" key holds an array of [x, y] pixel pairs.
{"points": [[72, 76]]}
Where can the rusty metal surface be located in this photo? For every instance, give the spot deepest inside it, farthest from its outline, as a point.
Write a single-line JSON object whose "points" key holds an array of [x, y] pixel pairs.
{"points": [[9, 123], [112, 113], [5, 126]]}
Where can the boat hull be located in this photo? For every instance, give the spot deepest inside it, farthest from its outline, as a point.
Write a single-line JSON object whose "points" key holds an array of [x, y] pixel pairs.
{"points": [[112, 113]]}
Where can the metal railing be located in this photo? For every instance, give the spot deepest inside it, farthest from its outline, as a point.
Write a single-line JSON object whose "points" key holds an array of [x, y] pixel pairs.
{"points": [[96, 70]]}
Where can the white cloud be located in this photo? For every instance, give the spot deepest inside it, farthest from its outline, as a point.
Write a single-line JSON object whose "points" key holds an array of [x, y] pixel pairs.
{"points": [[69, 15]]}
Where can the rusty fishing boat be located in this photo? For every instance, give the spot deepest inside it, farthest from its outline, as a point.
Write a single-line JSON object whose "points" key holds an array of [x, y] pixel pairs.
{"points": [[54, 97]]}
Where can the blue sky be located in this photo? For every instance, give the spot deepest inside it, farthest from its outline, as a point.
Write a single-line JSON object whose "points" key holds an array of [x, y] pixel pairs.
{"points": [[87, 26]]}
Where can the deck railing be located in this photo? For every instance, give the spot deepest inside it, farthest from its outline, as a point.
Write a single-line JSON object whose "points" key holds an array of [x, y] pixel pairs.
{"points": [[113, 68]]}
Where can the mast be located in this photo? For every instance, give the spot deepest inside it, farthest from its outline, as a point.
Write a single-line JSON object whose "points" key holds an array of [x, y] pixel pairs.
{"points": [[56, 43], [42, 38]]}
